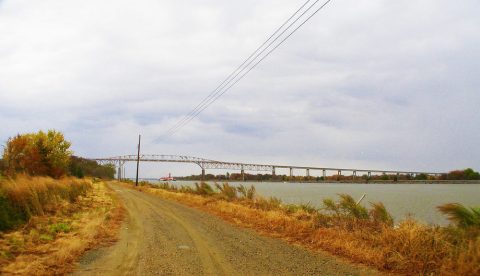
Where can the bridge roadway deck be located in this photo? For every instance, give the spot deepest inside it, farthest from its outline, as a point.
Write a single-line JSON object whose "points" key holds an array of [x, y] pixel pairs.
{"points": [[213, 164]]}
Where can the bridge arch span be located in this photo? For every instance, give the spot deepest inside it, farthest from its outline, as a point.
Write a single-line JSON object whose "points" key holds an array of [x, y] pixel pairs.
{"points": [[205, 164]]}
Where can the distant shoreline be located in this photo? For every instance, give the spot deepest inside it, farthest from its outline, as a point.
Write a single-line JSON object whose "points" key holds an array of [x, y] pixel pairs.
{"points": [[429, 182]]}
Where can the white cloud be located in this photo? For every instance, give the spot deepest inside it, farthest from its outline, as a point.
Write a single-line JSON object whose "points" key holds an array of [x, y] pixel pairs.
{"points": [[364, 84]]}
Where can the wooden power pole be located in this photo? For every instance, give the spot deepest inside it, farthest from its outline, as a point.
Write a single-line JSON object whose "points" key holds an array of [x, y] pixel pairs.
{"points": [[138, 159]]}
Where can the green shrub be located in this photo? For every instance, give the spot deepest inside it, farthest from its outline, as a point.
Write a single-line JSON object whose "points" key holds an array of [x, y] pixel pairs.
{"points": [[379, 213], [350, 208], [166, 186], [60, 227], [10, 217], [46, 238], [186, 189], [247, 193], [291, 208], [308, 208], [462, 216], [346, 207], [272, 203], [331, 206], [81, 167], [203, 189], [226, 191]]}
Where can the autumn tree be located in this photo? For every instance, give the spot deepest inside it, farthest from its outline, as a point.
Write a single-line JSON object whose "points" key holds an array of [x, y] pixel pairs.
{"points": [[467, 174], [37, 154], [2, 168]]}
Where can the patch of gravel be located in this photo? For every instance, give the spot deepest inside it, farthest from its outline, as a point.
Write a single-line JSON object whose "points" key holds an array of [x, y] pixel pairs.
{"points": [[167, 238]]}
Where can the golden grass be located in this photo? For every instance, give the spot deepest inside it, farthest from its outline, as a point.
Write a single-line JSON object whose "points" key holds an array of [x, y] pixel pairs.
{"points": [[24, 197], [50, 244], [409, 248]]}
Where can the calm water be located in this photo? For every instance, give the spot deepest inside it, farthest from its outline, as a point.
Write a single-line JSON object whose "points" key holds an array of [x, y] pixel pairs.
{"points": [[420, 200]]}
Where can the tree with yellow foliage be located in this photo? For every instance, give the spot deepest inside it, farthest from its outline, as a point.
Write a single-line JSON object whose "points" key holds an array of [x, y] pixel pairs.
{"points": [[37, 154]]}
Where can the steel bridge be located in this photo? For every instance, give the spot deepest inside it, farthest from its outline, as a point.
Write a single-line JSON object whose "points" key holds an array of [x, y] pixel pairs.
{"points": [[204, 164]]}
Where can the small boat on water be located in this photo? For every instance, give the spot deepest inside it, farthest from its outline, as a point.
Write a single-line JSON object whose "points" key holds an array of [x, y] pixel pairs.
{"points": [[167, 178]]}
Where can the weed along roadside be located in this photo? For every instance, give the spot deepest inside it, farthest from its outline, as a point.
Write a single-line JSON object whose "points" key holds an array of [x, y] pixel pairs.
{"points": [[345, 228], [47, 224], [52, 206]]}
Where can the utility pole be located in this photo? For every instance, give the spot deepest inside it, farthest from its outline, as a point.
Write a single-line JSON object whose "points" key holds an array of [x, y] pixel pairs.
{"points": [[138, 159]]}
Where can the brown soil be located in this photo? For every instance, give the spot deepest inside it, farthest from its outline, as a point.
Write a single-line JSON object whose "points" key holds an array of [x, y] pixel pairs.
{"points": [[161, 237]]}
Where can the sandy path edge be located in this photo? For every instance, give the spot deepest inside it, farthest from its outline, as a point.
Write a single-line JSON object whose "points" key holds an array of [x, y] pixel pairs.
{"points": [[161, 237]]}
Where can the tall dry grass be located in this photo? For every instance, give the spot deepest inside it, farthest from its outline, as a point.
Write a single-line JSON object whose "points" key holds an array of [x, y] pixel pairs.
{"points": [[24, 197], [344, 228], [50, 244]]}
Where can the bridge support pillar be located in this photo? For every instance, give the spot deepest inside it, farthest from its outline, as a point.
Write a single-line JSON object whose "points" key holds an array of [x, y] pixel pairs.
{"points": [[308, 172], [119, 172], [273, 172], [354, 175], [203, 174], [243, 174], [369, 175], [324, 174], [339, 174], [291, 172]]}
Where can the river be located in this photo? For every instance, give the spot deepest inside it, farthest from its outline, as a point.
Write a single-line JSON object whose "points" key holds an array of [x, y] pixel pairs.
{"points": [[401, 200]]}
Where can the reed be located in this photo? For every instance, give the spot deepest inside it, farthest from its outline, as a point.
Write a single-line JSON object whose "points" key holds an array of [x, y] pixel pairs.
{"points": [[203, 189], [345, 228], [226, 191], [462, 216], [247, 193]]}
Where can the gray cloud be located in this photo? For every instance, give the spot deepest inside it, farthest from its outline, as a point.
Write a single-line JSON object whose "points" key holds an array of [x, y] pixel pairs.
{"points": [[366, 83]]}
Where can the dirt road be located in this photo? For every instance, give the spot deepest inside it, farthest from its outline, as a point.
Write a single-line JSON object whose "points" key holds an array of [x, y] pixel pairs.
{"points": [[161, 237]]}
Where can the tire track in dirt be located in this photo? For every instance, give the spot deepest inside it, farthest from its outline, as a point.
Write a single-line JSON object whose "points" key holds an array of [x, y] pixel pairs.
{"points": [[212, 262], [161, 237], [122, 257]]}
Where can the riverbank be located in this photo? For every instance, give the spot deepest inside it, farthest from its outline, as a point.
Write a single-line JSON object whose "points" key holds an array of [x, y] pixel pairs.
{"points": [[362, 236], [402, 200], [321, 181], [163, 237], [54, 222]]}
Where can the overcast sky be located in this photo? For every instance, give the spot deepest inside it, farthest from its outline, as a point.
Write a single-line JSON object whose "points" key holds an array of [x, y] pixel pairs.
{"points": [[366, 83]]}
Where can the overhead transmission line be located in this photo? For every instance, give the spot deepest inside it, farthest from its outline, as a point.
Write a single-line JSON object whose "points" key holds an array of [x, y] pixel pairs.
{"points": [[226, 80], [232, 79]]}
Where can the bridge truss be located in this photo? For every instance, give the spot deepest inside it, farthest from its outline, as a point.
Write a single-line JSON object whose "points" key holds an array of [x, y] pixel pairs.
{"points": [[204, 164]]}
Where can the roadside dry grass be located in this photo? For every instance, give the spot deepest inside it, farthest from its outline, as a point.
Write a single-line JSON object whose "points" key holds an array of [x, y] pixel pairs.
{"points": [[24, 197], [52, 240], [409, 248]]}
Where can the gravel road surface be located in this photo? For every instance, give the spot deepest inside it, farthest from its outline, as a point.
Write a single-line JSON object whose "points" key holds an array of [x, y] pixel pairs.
{"points": [[161, 237]]}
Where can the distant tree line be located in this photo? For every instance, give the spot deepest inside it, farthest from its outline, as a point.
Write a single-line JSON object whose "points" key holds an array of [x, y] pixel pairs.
{"points": [[81, 167], [467, 174], [47, 154]]}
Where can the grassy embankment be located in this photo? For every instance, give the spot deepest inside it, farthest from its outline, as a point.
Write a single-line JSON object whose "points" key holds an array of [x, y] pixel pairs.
{"points": [[344, 229], [46, 224]]}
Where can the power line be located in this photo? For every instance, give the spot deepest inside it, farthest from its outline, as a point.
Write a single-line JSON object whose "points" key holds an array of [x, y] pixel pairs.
{"points": [[214, 96], [242, 76], [228, 79]]}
